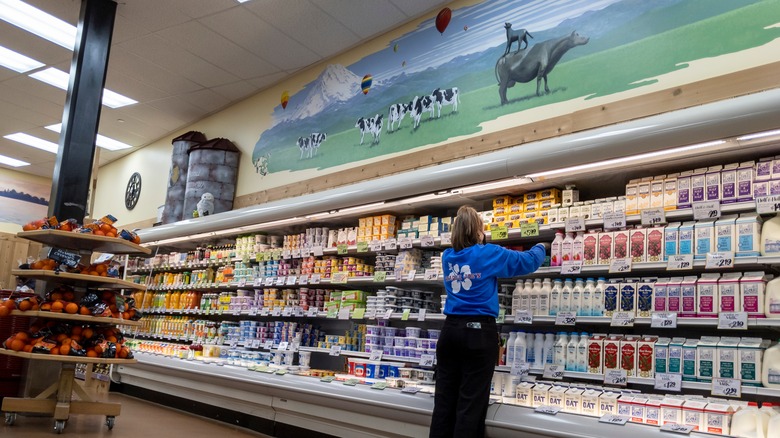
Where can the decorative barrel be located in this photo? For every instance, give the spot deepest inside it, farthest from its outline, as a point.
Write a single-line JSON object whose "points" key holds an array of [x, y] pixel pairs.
{"points": [[177, 177], [213, 168]]}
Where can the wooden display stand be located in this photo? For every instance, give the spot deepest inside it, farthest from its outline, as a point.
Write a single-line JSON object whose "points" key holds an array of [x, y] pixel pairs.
{"points": [[58, 399]]}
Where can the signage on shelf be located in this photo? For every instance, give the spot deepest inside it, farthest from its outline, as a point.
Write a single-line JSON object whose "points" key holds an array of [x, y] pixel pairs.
{"points": [[427, 241], [431, 274], [390, 244], [103, 258], [388, 314], [303, 280], [706, 210], [499, 233], [405, 242], [236, 312], [574, 224], [767, 204], [549, 410], [233, 343], [67, 258], [524, 317], [427, 360], [680, 262], [446, 238], [620, 266], [296, 253], [316, 251], [358, 313], [265, 311], [663, 320], [501, 316], [282, 346], [619, 420], [668, 382], [380, 276], [421, 315], [615, 220], [529, 230], [286, 254], [519, 369], [411, 275], [291, 280], [677, 428], [242, 282], [335, 350], [719, 260], [733, 320], [553, 371], [269, 281], [405, 314], [343, 314], [375, 355], [312, 312], [256, 343], [351, 382], [287, 311], [339, 277], [616, 377], [410, 390], [268, 345], [375, 246], [653, 216], [315, 278], [342, 249], [371, 314], [571, 267], [362, 247], [566, 318], [623, 319], [276, 311], [727, 388]]}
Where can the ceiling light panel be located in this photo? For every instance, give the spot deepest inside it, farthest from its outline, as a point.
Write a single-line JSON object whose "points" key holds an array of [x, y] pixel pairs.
{"points": [[60, 79], [17, 62], [35, 142], [13, 162], [101, 140], [40, 23]]}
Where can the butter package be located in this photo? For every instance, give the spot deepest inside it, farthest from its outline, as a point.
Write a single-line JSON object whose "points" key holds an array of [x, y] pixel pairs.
{"points": [[689, 360], [662, 355], [531, 206], [704, 232], [608, 403], [726, 234], [728, 292], [660, 296], [572, 400], [685, 238], [590, 402], [586, 210], [750, 360], [684, 190], [657, 192], [707, 295], [713, 183], [675, 356], [699, 185], [574, 210], [674, 294], [706, 351], [655, 244], [645, 290], [671, 239], [688, 296], [748, 235], [728, 183], [632, 201], [552, 214], [638, 245], [727, 358], [745, 181], [516, 208], [502, 201], [670, 192], [563, 213]]}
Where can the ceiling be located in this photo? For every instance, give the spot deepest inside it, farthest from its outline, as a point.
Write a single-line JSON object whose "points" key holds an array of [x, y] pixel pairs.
{"points": [[183, 60]]}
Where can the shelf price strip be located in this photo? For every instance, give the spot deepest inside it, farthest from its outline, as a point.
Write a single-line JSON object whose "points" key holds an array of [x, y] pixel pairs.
{"points": [[499, 233], [615, 220], [619, 420], [732, 321], [529, 229], [680, 262], [622, 319], [706, 210], [549, 410], [565, 318], [524, 317], [427, 241], [620, 266], [767, 204], [668, 382], [553, 371], [663, 320], [571, 267], [653, 216], [720, 260], [574, 224], [727, 388], [677, 428], [616, 377]]}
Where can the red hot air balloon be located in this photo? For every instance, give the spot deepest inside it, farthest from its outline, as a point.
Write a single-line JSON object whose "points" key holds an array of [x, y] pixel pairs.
{"points": [[443, 20], [285, 98]]}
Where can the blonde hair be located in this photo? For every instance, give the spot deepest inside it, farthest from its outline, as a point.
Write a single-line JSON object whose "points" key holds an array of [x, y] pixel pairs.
{"points": [[467, 230]]}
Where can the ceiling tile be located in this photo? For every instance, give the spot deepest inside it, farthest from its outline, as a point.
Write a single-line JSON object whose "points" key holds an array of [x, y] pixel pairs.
{"points": [[152, 116], [151, 14], [414, 8], [166, 81], [22, 99], [32, 46], [236, 91], [377, 16], [26, 153], [201, 8], [267, 81], [175, 105]]}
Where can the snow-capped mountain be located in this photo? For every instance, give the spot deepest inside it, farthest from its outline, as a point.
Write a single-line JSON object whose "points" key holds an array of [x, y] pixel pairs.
{"points": [[334, 85]]}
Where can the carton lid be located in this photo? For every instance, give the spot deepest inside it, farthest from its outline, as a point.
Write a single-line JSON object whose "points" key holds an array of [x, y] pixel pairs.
{"points": [[706, 341], [691, 343], [753, 276], [751, 343], [724, 219], [720, 408], [672, 402], [590, 392], [750, 163], [728, 342], [695, 405], [625, 399], [663, 341], [730, 166], [575, 391], [653, 401], [609, 395], [716, 168]]}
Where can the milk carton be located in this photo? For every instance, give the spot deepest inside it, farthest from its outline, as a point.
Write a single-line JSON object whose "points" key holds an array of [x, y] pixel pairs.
{"points": [[751, 287], [605, 248], [727, 358], [539, 394], [643, 194], [572, 400], [684, 190], [624, 404], [670, 192], [671, 239], [608, 403], [657, 192], [653, 410], [631, 197], [637, 413], [611, 297], [590, 402], [628, 354], [706, 352], [760, 189], [704, 232], [645, 356], [655, 244], [728, 291], [685, 238], [674, 294], [523, 394], [748, 235], [590, 245], [712, 182], [689, 360], [660, 295], [693, 414], [717, 418], [612, 352], [637, 245], [620, 244], [596, 354], [745, 181], [627, 297], [662, 355], [728, 183], [707, 295], [699, 185], [555, 397], [750, 360], [726, 234], [763, 169], [675, 356], [688, 296], [671, 410], [644, 297]]}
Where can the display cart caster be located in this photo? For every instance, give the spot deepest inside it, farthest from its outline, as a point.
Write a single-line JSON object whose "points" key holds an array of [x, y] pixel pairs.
{"points": [[110, 422], [10, 418], [59, 425]]}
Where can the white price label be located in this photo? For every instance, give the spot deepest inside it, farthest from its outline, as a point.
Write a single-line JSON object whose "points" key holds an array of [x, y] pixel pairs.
{"points": [[524, 317], [733, 320], [303, 280], [677, 428], [371, 314], [620, 420], [549, 410], [256, 343], [265, 311], [431, 274], [388, 314], [268, 345], [405, 243], [615, 220], [553, 371], [410, 390], [375, 355], [668, 382], [339, 277], [446, 238], [575, 224], [258, 282], [768, 204], [663, 320], [427, 241], [620, 266], [375, 246], [286, 254], [280, 281], [623, 319], [236, 312], [421, 315], [315, 278], [427, 360], [276, 311], [616, 377], [253, 311], [316, 251], [287, 311], [343, 314], [242, 282], [653, 216], [519, 369], [269, 281], [283, 346], [706, 210], [410, 276], [296, 253], [571, 267], [390, 244], [720, 260], [312, 312], [233, 343], [727, 388], [680, 262], [566, 318], [291, 280], [335, 350]]}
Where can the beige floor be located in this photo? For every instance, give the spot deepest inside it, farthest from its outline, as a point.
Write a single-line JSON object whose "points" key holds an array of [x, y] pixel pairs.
{"points": [[139, 419]]}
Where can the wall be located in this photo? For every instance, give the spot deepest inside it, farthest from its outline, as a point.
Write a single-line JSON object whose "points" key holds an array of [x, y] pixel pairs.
{"points": [[15, 213], [713, 70], [12, 252]]}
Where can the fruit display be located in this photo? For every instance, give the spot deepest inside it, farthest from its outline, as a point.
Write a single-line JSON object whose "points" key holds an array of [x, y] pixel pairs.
{"points": [[101, 227], [62, 299], [102, 269], [60, 338]]}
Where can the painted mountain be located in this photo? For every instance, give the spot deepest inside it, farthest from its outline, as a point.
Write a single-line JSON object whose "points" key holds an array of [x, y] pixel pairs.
{"points": [[335, 85]]}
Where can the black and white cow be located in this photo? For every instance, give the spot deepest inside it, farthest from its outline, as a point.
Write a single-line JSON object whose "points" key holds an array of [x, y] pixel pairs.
{"points": [[370, 125], [395, 115], [449, 96], [304, 144], [315, 141], [420, 105]]}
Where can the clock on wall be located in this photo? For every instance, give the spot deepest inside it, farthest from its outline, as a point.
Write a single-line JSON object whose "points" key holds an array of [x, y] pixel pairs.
{"points": [[133, 191]]}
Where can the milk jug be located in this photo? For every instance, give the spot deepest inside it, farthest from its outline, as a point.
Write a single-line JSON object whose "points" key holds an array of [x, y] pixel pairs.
{"points": [[772, 299], [770, 371], [770, 237], [747, 422]]}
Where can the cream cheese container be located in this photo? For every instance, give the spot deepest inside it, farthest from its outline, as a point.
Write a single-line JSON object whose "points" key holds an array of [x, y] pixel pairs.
{"points": [[727, 358], [706, 351], [689, 360], [608, 403], [590, 402], [572, 400]]}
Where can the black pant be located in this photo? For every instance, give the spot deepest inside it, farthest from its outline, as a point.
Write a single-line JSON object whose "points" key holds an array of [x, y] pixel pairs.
{"points": [[466, 358]]}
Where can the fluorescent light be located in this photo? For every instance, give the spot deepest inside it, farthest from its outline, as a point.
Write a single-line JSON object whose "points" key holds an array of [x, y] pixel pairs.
{"points": [[759, 135], [35, 142], [624, 160], [513, 182], [102, 141], [17, 62], [242, 1], [12, 161], [40, 23], [362, 207], [60, 79]]}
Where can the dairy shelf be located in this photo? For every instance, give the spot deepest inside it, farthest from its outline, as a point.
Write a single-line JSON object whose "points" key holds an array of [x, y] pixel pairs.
{"points": [[91, 281], [282, 314], [698, 264], [646, 321], [84, 242], [75, 317]]}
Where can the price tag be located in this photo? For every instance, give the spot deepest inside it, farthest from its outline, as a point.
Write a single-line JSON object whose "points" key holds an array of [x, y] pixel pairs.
{"points": [[733, 320], [706, 210], [291, 280], [622, 319], [287, 312], [501, 316], [663, 320], [358, 313], [312, 312], [362, 247], [269, 281], [253, 311], [375, 246], [68, 258], [268, 345], [446, 238], [335, 350], [375, 355], [405, 314], [431, 274], [390, 244], [327, 379], [421, 315], [296, 253], [524, 317], [427, 241], [553, 371], [286, 254], [727, 388], [549, 410], [668, 382], [315, 278], [405, 243], [339, 278], [236, 312], [680, 262], [276, 311], [519, 369], [720, 260], [280, 281], [411, 275], [258, 282], [380, 276], [379, 385], [351, 382], [620, 420], [233, 343], [265, 311], [566, 318], [677, 428], [410, 390], [388, 314], [653, 216], [242, 282], [371, 314], [283, 346], [571, 267], [767, 204], [615, 220], [574, 224], [620, 266], [255, 343], [427, 360], [303, 280], [616, 377], [344, 314], [499, 233], [316, 251], [342, 249]]}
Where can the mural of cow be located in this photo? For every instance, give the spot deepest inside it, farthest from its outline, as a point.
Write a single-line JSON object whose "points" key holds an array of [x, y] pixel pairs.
{"points": [[315, 141], [420, 105], [396, 114], [304, 144], [370, 125], [449, 96], [261, 164]]}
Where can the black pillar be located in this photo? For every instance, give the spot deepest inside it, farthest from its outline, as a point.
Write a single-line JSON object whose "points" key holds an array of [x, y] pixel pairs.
{"points": [[72, 172]]}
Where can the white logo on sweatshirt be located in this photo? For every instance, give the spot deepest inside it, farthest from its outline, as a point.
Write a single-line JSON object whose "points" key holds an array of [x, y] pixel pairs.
{"points": [[460, 277]]}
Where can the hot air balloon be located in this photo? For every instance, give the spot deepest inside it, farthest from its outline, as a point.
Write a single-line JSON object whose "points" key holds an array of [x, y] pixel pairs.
{"points": [[395, 48], [403, 64], [465, 28], [443, 20], [366, 83], [285, 99]]}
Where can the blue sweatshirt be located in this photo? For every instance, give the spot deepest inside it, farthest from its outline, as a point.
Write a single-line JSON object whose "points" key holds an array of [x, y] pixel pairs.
{"points": [[470, 275]]}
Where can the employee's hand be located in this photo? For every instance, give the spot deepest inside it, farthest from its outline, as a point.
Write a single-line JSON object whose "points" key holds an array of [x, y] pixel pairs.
{"points": [[546, 246]]}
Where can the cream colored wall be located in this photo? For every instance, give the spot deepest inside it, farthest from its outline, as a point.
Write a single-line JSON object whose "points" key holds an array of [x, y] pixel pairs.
{"points": [[8, 227]]}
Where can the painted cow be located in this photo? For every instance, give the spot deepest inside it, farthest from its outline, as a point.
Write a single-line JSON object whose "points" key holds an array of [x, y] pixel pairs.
{"points": [[304, 144], [449, 96], [395, 115], [315, 141], [420, 105], [370, 125]]}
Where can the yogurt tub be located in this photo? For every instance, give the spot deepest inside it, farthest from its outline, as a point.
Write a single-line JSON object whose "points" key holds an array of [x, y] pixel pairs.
{"points": [[394, 382], [406, 373], [412, 332], [399, 351], [350, 363], [360, 367], [393, 368], [425, 376], [304, 358], [389, 331], [372, 370], [433, 334], [399, 341], [410, 342], [388, 340]]}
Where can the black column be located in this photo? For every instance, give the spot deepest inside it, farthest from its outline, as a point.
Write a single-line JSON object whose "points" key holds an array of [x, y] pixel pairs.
{"points": [[72, 172]]}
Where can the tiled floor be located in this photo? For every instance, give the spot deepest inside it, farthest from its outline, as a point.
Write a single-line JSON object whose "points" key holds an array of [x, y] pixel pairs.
{"points": [[139, 419]]}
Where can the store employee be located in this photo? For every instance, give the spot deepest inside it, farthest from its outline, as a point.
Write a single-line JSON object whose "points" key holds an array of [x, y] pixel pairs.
{"points": [[467, 350]]}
